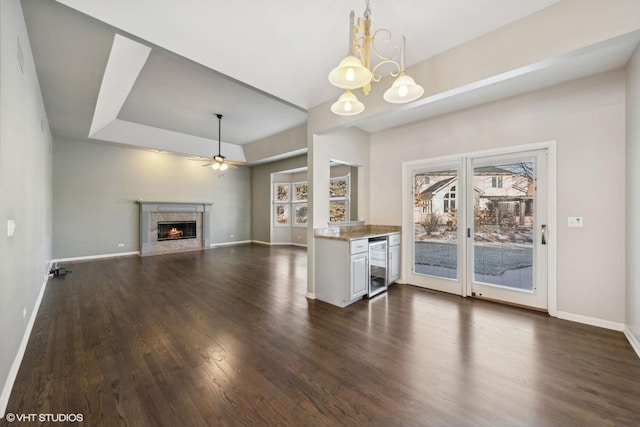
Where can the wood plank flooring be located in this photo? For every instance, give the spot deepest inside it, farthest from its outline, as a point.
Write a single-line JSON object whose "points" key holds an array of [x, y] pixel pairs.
{"points": [[226, 337]]}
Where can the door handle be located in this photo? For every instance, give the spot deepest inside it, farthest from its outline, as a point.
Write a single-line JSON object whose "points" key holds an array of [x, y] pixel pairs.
{"points": [[544, 234]]}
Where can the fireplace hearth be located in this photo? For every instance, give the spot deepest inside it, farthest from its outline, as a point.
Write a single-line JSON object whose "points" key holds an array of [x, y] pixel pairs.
{"points": [[176, 230]]}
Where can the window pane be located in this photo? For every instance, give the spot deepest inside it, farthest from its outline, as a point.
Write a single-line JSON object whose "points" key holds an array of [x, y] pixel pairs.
{"points": [[503, 224], [436, 224], [338, 211]]}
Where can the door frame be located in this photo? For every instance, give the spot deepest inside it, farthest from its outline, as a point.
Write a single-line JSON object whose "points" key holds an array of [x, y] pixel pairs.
{"points": [[407, 211]]}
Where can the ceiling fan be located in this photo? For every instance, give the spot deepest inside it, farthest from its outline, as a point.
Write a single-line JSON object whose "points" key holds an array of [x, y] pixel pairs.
{"points": [[219, 162]]}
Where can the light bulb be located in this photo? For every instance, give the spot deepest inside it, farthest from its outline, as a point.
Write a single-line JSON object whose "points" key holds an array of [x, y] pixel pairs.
{"points": [[223, 166], [215, 166], [403, 90], [347, 106], [351, 74]]}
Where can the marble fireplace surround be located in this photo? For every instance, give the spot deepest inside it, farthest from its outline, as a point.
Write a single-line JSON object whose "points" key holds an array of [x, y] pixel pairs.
{"points": [[152, 212]]}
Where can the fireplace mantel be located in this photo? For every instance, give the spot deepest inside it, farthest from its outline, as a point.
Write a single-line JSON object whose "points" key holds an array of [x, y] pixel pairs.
{"points": [[148, 208]]}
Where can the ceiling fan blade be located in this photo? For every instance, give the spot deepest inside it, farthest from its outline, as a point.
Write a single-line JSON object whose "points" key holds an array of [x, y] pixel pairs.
{"points": [[199, 159], [236, 163]]}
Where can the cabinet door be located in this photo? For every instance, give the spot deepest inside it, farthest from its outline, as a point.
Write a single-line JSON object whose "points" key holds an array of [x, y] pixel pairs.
{"points": [[359, 275], [394, 263]]}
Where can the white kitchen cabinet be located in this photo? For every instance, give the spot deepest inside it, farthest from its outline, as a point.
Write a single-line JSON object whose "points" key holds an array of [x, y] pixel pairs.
{"points": [[342, 272], [359, 278]]}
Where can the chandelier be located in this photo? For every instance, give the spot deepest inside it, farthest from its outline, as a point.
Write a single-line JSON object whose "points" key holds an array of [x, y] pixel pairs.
{"points": [[356, 71]]}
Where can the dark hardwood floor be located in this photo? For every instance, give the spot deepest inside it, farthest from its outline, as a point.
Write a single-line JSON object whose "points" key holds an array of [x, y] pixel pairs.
{"points": [[227, 337]]}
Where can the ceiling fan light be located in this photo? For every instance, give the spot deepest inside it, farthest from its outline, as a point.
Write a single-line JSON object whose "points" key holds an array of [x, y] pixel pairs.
{"points": [[350, 74], [224, 166], [347, 105], [404, 89]]}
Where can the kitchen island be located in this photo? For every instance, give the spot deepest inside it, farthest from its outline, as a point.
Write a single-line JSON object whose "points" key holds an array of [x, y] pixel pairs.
{"points": [[357, 261]]}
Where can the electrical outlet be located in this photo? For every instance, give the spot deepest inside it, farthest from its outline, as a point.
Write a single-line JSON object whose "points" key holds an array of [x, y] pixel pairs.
{"points": [[24, 312], [575, 221], [121, 245]]}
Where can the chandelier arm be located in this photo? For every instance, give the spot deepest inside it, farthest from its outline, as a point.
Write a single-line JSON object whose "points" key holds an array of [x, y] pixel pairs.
{"points": [[365, 46], [376, 77]]}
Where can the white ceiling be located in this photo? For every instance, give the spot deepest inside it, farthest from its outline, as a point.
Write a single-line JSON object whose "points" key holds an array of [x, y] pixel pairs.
{"points": [[261, 64]]}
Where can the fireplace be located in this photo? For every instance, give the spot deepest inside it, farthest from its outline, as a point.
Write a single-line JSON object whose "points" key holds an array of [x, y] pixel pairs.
{"points": [[176, 230], [173, 227]]}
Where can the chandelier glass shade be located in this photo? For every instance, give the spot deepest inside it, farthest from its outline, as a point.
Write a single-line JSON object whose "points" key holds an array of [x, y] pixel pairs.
{"points": [[356, 71], [347, 104], [350, 74]]}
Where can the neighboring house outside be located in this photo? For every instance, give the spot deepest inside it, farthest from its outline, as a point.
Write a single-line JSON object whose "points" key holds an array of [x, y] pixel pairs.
{"points": [[502, 197]]}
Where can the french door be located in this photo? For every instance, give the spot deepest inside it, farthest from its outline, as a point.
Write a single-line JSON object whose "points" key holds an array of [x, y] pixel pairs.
{"points": [[479, 226]]}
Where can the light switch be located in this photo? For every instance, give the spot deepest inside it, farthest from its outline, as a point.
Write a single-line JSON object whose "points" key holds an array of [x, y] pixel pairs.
{"points": [[575, 221], [11, 227]]}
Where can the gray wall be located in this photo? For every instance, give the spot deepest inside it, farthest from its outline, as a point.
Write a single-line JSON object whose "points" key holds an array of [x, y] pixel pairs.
{"points": [[95, 186], [633, 201], [25, 193], [261, 194]]}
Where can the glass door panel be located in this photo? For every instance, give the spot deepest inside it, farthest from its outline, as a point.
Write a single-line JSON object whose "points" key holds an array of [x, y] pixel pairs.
{"points": [[436, 253], [503, 215]]}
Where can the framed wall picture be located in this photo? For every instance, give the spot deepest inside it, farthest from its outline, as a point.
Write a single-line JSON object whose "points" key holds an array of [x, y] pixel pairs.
{"points": [[281, 214], [300, 214], [300, 191], [281, 192]]}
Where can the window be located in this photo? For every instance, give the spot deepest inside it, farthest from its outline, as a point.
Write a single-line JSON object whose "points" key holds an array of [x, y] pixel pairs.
{"points": [[339, 195], [299, 203], [281, 214], [281, 203], [496, 182], [450, 200]]}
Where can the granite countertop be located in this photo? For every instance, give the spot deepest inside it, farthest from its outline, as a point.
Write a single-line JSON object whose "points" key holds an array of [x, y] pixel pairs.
{"points": [[355, 232]]}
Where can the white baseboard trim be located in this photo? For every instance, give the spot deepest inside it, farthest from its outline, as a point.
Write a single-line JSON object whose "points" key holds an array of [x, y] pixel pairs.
{"points": [[217, 245], [632, 340], [310, 295], [260, 242], [90, 257], [17, 361], [593, 321]]}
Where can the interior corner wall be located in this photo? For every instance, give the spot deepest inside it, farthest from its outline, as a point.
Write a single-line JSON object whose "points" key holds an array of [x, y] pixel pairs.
{"points": [[586, 118], [633, 200], [261, 194], [96, 186], [25, 193]]}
